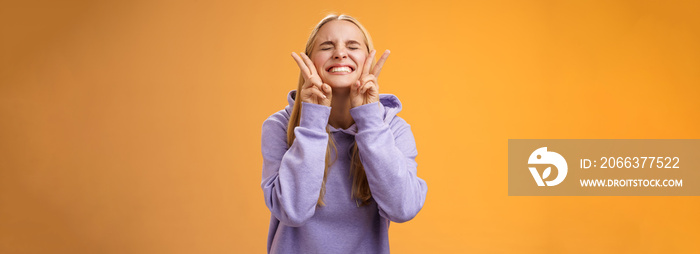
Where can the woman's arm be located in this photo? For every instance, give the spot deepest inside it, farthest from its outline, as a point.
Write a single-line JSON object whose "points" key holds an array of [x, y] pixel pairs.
{"points": [[388, 153], [291, 179]]}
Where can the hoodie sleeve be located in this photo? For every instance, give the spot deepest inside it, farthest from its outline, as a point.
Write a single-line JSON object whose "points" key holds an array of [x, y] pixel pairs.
{"points": [[291, 179], [388, 154]]}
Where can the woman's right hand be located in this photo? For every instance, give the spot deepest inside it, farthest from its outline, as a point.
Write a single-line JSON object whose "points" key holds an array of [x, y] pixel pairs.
{"points": [[313, 90]]}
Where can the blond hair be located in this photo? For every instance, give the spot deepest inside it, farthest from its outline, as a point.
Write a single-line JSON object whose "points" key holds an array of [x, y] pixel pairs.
{"points": [[360, 187]]}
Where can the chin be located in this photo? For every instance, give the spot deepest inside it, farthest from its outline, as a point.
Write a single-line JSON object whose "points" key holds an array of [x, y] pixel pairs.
{"points": [[334, 85], [340, 84]]}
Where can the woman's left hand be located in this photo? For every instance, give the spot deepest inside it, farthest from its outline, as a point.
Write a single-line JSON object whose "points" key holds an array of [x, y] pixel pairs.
{"points": [[366, 90]]}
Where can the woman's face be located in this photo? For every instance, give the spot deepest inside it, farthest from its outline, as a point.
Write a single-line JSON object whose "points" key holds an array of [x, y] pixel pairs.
{"points": [[339, 53]]}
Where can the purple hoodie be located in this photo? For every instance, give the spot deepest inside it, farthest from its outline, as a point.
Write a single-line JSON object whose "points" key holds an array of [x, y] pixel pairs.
{"points": [[292, 177]]}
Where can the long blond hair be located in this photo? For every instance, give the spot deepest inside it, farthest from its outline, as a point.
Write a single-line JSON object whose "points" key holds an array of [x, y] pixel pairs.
{"points": [[360, 186]]}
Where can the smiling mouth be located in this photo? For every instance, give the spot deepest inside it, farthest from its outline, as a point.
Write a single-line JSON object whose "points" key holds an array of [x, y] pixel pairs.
{"points": [[342, 69]]}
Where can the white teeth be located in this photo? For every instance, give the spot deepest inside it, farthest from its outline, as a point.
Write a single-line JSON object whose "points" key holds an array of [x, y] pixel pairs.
{"points": [[341, 69]]}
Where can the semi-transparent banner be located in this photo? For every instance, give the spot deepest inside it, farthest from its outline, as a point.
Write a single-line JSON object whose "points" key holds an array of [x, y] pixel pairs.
{"points": [[604, 167]]}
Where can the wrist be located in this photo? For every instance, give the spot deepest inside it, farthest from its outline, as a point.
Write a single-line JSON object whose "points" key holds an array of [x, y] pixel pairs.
{"points": [[314, 116], [368, 115]]}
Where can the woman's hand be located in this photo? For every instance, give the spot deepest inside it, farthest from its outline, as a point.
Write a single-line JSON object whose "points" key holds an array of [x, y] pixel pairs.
{"points": [[366, 90], [313, 90]]}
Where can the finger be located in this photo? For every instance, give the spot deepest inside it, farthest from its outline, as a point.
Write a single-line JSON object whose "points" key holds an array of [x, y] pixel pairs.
{"points": [[302, 66], [327, 89], [360, 85], [378, 67], [368, 62], [366, 82], [374, 87], [307, 85], [318, 93], [317, 83], [366, 87], [313, 81], [354, 89], [309, 63]]}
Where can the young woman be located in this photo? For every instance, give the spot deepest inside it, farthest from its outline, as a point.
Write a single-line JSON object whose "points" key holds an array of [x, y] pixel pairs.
{"points": [[338, 164]]}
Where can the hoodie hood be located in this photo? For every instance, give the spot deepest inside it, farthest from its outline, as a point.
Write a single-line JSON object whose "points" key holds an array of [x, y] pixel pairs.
{"points": [[389, 103]]}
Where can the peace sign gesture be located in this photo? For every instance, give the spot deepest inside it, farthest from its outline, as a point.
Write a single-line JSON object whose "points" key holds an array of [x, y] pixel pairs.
{"points": [[366, 90], [313, 90]]}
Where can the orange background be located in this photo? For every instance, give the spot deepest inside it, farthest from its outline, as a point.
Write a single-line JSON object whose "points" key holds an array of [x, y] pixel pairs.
{"points": [[134, 126]]}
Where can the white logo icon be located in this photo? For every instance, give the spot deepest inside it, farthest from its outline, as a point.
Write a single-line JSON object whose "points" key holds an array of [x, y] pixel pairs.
{"points": [[542, 156]]}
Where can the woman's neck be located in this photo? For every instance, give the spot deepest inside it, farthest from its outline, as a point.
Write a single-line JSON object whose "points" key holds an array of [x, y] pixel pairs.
{"points": [[340, 117]]}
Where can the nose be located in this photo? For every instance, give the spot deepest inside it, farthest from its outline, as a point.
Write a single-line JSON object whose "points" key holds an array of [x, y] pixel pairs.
{"points": [[341, 53]]}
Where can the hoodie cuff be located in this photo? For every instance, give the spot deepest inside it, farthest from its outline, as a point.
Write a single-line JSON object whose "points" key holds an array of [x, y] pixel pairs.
{"points": [[314, 116], [368, 115]]}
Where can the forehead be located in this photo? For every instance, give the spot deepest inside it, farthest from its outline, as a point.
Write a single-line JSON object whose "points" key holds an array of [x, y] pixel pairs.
{"points": [[339, 30]]}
